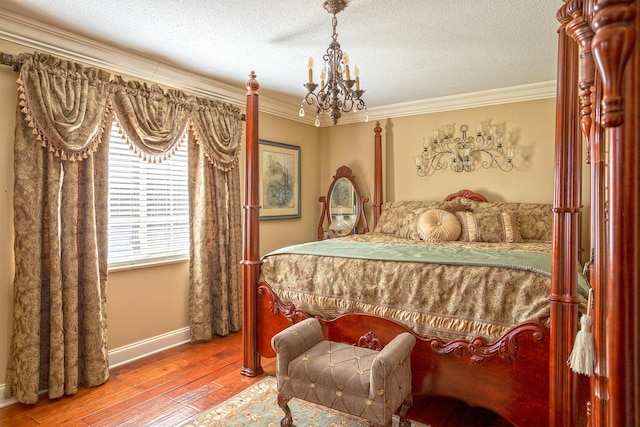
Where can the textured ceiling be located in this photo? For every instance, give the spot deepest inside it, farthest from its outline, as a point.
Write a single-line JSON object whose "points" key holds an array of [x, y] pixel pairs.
{"points": [[407, 50]]}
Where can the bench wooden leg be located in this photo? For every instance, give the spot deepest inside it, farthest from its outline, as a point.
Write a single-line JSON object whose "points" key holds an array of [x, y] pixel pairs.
{"points": [[283, 402], [404, 422]]}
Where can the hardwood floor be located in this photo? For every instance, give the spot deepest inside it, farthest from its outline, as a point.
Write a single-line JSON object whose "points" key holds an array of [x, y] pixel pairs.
{"points": [[170, 387]]}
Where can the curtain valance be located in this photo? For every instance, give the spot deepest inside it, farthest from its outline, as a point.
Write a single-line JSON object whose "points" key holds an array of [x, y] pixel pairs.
{"points": [[65, 103], [217, 129], [68, 106], [152, 119]]}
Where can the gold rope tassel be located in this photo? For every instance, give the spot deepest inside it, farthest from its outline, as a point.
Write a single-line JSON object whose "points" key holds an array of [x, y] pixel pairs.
{"points": [[582, 357]]}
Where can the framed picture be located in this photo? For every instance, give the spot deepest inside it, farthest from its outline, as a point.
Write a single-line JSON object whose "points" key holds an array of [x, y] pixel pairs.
{"points": [[279, 171]]}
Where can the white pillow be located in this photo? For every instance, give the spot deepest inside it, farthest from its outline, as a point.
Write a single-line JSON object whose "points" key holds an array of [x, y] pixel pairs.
{"points": [[438, 225]]}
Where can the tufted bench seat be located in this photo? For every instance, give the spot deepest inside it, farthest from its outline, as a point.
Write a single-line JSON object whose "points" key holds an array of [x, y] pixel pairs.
{"points": [[360, 381]]}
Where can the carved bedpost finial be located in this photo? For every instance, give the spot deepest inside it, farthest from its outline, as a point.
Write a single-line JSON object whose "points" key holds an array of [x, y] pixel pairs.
{"points": [[613, 44], [252, 83], [580, 31], [378, 129]]}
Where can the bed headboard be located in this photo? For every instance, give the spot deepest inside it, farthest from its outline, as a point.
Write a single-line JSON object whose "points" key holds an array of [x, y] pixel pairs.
{"points": [[466, 194]]}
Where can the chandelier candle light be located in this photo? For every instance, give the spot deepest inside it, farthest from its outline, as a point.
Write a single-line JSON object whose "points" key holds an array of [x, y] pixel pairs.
{"points": [[490, 147], [338, 92]]}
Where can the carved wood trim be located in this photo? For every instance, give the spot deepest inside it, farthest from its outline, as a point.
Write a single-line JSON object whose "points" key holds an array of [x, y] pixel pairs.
{"points": [[580, 31], [370, 341], [276, 306], [506, 347], [613, 43], [466, 194]]}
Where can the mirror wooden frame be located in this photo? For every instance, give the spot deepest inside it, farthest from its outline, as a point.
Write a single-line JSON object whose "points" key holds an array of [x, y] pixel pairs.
{"points": [[360, 224]]}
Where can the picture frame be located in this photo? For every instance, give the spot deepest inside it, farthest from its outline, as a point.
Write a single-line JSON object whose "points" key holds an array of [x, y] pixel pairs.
{"points": [[279, 180]]}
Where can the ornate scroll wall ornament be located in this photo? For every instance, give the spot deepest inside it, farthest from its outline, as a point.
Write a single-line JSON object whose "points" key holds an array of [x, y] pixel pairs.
{"points": [[492, 146], [505, 347], [580, 31], [613, 44], [65, 103]]}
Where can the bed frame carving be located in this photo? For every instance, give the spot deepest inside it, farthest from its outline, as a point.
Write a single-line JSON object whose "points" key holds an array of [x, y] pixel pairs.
{"points": [[370, 341], [505, 348], [278, 307]]}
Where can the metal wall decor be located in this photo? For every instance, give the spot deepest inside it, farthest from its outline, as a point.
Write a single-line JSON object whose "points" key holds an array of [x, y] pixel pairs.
{"points": [[490, 147]]}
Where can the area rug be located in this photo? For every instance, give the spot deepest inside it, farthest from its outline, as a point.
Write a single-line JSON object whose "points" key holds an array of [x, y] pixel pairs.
{"points": [[257, 406]]}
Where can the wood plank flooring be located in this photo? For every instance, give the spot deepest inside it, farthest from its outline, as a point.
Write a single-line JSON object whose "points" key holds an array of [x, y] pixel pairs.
{"points": [[170, 387]]}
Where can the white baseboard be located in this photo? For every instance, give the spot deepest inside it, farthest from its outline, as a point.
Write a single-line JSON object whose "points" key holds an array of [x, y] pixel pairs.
{"points": [[129, 353]]}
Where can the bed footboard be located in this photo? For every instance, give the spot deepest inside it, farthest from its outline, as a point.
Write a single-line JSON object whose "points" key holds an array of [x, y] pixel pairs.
{"points": [[509, 376]]}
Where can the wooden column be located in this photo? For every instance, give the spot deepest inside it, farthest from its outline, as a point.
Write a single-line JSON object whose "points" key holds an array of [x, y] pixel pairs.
{"points": [[566, 228], [617, 54], [377, 179], [250, 235]]}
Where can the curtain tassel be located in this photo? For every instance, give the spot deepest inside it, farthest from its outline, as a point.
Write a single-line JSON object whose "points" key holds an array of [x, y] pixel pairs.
{"points": [[582, 357]]}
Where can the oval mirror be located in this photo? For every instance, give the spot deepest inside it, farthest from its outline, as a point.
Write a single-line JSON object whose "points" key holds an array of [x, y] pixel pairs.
{"points": [[343, 207]]}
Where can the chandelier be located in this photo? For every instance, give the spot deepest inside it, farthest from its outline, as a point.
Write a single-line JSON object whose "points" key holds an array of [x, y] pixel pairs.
{"points": [[490, 147], [338, 92]]}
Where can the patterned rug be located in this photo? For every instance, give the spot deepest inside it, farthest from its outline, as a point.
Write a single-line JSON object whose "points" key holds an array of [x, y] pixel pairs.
{"points": [[257, 406]]}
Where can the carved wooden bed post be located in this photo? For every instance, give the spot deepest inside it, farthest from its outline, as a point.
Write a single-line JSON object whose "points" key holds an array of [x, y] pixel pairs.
{"points": [[567, 201], [377, 179], [606, 31], [250, 235], [617, 54]]}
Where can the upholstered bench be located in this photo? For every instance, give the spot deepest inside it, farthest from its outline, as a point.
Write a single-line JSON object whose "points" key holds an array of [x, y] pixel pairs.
{"points": [[360, 381]]}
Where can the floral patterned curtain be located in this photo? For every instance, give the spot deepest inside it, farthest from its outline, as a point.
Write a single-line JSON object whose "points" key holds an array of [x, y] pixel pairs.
{"points": [[60, 206], [215, 289]]}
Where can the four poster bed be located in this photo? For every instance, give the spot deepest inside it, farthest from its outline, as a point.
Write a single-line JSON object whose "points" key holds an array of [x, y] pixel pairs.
{"points": [[513, 363]]}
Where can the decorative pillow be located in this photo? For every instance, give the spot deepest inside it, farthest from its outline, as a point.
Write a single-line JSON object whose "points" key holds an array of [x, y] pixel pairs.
{"points": [[454, 206], [480, 227], [407, 229], [511, 226], [392, 220], [438, 225], [464, 218], [536, 221]]}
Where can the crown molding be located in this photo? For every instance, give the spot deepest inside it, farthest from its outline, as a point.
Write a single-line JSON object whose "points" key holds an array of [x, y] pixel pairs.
{"points": [[38, 36], [505, 95]]}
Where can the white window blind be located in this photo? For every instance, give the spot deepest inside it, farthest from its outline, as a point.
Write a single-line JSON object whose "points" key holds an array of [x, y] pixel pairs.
{"points": [[148, 206]]}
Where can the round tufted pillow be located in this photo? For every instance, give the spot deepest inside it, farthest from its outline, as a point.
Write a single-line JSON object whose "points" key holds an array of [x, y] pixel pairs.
{"points": [[438, 224]]}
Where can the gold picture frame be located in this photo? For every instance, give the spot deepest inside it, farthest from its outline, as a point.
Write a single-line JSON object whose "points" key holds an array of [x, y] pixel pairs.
{"points": [[279, 186]]}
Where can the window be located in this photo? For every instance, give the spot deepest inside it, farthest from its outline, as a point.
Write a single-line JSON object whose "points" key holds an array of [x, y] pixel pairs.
{"points": [[148, 206]]}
